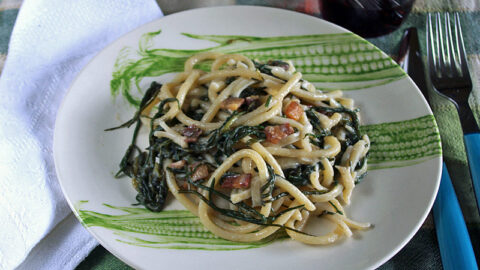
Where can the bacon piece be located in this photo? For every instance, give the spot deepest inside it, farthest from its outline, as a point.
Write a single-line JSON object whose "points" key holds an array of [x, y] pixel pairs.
{"points": [[182, 184], [232, 103], [178, 164], [276, 133], [199, 171], [294, 111], [237, 181], [192, 133]]}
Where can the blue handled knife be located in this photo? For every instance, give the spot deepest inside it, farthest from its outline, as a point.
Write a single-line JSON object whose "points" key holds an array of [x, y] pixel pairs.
{"points": [[452, 234]]}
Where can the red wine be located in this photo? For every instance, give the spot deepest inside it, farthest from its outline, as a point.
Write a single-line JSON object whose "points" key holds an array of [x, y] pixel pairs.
{"points": [[367, 18]]}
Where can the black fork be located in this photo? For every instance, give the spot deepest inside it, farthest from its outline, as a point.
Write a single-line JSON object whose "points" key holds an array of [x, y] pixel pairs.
{"points": [[450, 77]]}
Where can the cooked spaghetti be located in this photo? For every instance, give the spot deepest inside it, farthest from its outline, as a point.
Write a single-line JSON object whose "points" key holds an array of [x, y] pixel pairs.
{"points": [[250, 148]]}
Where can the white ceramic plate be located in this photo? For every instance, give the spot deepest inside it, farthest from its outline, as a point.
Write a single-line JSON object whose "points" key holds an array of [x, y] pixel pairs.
{"points": [[396, 196]]}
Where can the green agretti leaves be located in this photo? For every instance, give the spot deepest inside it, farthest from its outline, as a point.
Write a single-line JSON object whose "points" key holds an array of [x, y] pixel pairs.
{"points": [[145, 167]]}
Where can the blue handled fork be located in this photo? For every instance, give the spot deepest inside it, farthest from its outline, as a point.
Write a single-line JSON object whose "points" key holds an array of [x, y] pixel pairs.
{"points": [[451, 79]]}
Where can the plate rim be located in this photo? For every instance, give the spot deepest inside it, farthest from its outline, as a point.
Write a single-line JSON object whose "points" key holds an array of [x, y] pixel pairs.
{"points": [[117, 253]]}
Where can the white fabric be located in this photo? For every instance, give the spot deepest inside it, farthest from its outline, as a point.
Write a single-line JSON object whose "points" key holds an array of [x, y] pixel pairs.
{"points": [[63, 248], [51, 41]]}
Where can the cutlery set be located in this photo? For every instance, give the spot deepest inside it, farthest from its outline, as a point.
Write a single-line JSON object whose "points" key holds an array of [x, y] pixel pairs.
{"points": [[450, 78]]}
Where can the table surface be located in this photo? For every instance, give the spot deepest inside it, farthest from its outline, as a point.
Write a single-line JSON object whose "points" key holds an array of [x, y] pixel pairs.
{"points": [[422, 251]]}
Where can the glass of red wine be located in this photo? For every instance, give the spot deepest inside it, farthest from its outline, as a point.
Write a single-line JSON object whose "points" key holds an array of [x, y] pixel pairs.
{"points": [[367, 18]]}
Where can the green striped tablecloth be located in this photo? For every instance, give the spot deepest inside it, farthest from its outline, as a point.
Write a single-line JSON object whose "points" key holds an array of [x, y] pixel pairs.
{"points": [[422, 251]]}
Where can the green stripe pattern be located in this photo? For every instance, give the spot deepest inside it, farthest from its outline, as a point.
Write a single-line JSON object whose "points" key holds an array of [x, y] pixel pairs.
{"points": [[331, 61], [172, 229], [403, 143], [320, 58]]}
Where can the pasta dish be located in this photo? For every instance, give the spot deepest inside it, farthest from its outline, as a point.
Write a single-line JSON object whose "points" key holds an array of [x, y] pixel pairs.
{"points": [[251, 148]]}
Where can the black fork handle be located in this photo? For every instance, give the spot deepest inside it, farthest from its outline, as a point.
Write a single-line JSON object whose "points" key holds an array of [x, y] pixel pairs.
{"points": [[459, 97], [467, 119]]}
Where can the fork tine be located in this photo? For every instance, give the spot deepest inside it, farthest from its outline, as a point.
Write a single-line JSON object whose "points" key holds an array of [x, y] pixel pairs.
{"points": [[460, 46], [431, 51], [453, 67], [456, 44], [440, 41], [449, 55]]}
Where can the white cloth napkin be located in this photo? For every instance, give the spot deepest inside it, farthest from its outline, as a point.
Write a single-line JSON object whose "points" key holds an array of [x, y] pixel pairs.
{"points": [[51, 41]]}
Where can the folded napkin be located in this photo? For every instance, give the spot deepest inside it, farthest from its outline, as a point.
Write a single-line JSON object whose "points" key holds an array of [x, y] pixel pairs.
{"points": [[51, 41]]}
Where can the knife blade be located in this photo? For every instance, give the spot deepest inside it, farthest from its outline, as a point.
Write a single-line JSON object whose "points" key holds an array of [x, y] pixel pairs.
{"points": [[452, 235], [410, 59]]}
